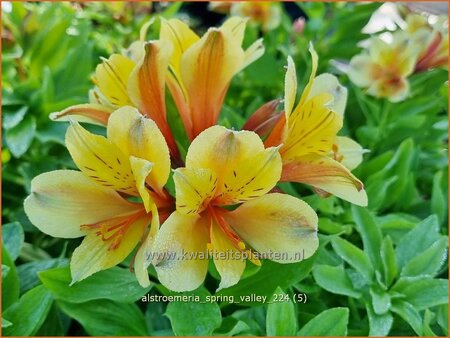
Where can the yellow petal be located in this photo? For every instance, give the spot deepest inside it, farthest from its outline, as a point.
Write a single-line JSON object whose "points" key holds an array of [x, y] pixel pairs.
{"points": [[251, 177], [100, 159], [194, 189], [326, 174], [62, 200], [141, 169], [236, 26], [328, 83], [206, 71], [226, 257], [95, 253], [140, 137], [349, 152], [253, 53], [290, 87], [361, 71], [142, 260], [111, 77], [90, 112], [312, 128], [181, 38], [314, 63], [181, 234], [218, 148], [281, 227]]}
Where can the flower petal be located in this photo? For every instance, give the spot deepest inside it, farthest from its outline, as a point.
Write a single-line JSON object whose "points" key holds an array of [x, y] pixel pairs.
{"points": [[361, 71], [254, 176], [100, 159], [142, 260], [218, 148], [180, 256], [290, 87], [349, 152], [111, 77], [95, 253], [147, 86], [89, 112], [206, 71], [326, 174], [194, 189], [62, 200], [312, 128], [181, 37], [226, 258], [141, 169], [328, 83], [281, 227], [140, 137]]}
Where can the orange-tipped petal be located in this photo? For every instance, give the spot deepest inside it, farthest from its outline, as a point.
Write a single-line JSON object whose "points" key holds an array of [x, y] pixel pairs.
{"points": [[326, 174], [89, 112]]}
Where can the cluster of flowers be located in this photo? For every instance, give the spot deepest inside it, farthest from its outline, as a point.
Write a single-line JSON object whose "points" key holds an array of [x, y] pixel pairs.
{"points": [[383, 68], [225, 187]]}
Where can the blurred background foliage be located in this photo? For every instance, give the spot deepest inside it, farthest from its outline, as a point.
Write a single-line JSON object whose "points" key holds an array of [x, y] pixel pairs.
{"points": [[380, 270]]}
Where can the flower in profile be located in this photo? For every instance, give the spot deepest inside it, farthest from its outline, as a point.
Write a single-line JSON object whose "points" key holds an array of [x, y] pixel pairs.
{"points": [[114, 197], [431, 41], [224, 206], [308, 137], [267, 14], [383, 69], [136, 78], [201, 69]]}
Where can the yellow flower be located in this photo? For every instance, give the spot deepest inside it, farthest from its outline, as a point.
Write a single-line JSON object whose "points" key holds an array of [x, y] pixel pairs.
{"points": [[132, 162], [266, 14], [201, 68], [136, 79], [384, 68], [431, 41], [308, 136], [227, 168]]}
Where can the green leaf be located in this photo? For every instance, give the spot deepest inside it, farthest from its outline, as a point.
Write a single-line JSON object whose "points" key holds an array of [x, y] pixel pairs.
{"points": [[268, 278], [102, 285], [442, 318], [354, 256], [388, 261], [104, 317], [370, 234], [5, 271], [28, 314], [381, 301], [335, 280], [281, 319], [427, 319], [194, 318], [10, 283], [439, 201], [28, 272], [417, 240], [379, 325], [332, 322], [423, 293], [429, 261], [5, 323], [12, 116], [20, 137], [13, 238], [409, 314]]}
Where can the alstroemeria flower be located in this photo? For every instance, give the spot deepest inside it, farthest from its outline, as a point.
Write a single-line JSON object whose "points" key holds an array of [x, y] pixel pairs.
{"points": [[201, 68], [431, 41], [308, 136], [226, 168], [384, 68], [137, 79], [267, 14], [97, 202]]}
